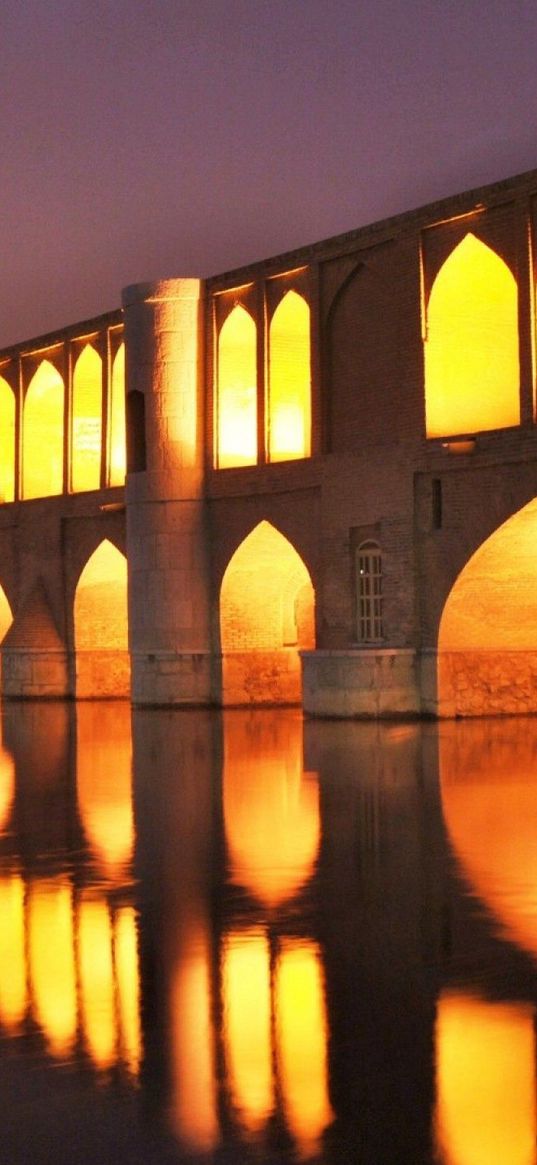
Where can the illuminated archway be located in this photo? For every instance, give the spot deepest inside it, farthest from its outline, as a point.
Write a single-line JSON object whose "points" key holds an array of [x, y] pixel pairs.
{"points": [[471, 349], [100, 616], [7, 442], [236, 419], [266, 618], [289, 394], [42, 452], [86, 440], [487, 643], [118, 446]]}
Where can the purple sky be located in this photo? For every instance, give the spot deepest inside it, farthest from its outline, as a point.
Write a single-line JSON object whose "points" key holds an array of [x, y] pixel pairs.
{"points": [[145, 138]]}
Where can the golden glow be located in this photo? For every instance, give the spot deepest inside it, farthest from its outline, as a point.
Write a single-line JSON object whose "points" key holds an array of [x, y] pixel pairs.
{"points": [[485, 1111], [104, 782], [247, 1024], [289, 395], [127, 977], [237, 391], [194, 1093], [301, 1040], [7, 788], [86, 440], [7, 442], [488, 780], [43, 434], [13, 993], [266, 616], [51, 962], [96, 973], [118, 442], [493, 608], [6, 617], [471, 351], [101, 601], [271, 807]]}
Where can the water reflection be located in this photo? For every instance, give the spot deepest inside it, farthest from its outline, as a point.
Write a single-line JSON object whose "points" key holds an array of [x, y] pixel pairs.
{"points": [[272, 940]]}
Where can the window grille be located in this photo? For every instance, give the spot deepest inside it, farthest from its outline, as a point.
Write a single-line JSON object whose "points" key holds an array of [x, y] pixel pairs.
{"points": [[369, 592]]}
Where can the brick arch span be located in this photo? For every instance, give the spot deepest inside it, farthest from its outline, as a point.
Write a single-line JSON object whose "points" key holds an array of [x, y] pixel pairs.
{"points": [[101, 625], [487, 638], [267, 616]]}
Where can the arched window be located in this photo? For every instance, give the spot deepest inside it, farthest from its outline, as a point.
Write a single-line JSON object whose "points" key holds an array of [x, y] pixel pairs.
{"points": [[236, 420], [289, 394], [7, 442], [471, 350], [369, 592], [43, 434], [86, 441], [118, 454]]}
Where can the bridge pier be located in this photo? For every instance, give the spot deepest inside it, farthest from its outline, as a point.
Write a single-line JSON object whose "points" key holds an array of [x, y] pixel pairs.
{"points": [[169, 636]]}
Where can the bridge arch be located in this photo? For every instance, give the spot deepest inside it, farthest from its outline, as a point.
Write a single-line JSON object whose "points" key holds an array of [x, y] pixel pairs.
{"points": [[267, 605], [471, 346], [86, 436], [289, 387], [236, 421], [101, 625], [43, 418], [7, 441], [487, 641]]}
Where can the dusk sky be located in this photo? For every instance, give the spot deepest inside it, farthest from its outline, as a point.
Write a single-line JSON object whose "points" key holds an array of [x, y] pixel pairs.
{"points": [[151, 138]]}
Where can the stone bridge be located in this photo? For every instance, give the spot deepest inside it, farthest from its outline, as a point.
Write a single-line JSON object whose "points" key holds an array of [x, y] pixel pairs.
{"points": [[331, 479]]}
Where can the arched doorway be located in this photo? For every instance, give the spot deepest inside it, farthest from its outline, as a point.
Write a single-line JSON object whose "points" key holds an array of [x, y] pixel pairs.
{"points": [[267, 607], [100, 615], [487, 643]]}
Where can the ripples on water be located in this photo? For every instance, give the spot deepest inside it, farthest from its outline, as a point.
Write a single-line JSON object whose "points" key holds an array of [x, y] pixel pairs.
{"points": [[242, 938]]}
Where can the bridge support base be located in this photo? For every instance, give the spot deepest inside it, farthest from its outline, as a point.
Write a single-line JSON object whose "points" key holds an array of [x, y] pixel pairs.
{"points": [[33, 674], [359, 682]]}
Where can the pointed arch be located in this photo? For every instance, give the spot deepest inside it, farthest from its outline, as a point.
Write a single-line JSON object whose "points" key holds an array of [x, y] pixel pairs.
{"points": [[118, 446], [42, 449], [6, 615], [471, 350], [236, 397], [86, 434], [7, 441], [267, 606], [100, 621], [289, 393], [487, 642]]}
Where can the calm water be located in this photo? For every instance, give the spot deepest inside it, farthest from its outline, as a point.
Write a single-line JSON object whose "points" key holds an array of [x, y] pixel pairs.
{"points": [[242, 938]]}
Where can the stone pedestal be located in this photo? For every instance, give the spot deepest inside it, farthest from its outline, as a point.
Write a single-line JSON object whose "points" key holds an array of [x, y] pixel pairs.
{"points": [[358, 682]]}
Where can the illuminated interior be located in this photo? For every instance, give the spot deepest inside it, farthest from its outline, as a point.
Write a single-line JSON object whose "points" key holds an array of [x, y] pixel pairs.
{"points": [[471, 350], [100, 616], [289, 392], [43, 434], [236, 420], [271, 807], [488, 776], [267, 607], [7, 442], [104, 783], [86, 440], [247, 1005], [485, 1109], [52, 962], [118, 443], [301, 1042], [487, 640], [6, 617], [13, 987]]}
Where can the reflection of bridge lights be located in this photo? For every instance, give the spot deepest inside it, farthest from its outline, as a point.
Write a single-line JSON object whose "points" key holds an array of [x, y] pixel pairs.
{"points": [[96, 973], [194, 1091], [13, 990], [52, 962], [275, 1034], [7, 787], [486, 1108], [104, 783]]}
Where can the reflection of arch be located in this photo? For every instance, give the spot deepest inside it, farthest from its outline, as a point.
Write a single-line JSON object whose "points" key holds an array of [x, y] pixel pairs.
{"points": [[103, 736], [266, 617], [7, 442], [237, 390], [118, 452], [87, 421], [487, 644], [100, 617], [471, 352], [42, 451], [289, 391]]}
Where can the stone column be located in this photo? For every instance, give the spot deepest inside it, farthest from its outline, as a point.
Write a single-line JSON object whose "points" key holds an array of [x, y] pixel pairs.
{"points": [[169, 636]]}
